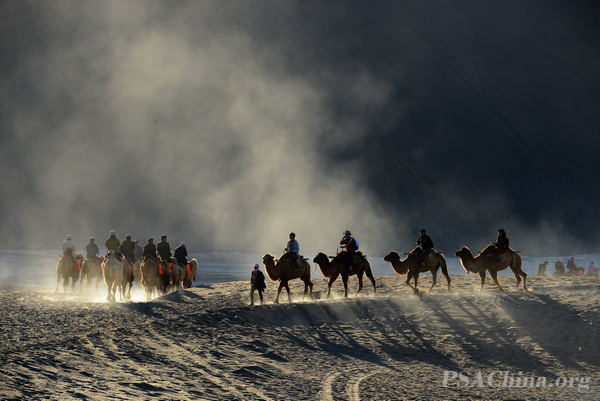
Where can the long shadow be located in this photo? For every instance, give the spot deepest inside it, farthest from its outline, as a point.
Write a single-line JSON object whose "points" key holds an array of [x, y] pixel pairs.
{"points": [[485, 350], [557, 329]]}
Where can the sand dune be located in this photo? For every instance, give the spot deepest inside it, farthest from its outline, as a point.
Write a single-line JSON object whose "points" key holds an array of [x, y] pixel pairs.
{"points": [[208, 343]]}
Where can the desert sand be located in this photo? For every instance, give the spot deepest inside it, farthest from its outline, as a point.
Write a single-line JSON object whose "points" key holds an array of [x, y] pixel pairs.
{"points": [[208, 343]]}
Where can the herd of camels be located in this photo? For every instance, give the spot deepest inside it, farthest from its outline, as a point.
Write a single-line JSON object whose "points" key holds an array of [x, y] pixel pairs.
{"points": [[158, 280]]}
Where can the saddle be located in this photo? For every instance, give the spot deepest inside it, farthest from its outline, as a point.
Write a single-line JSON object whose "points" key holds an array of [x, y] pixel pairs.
{"points": [[430, 258], [500, 258]]}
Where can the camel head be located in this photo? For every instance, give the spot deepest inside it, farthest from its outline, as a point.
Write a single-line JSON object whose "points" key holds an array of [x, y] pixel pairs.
{"points": [[462, 252], [321, 258], [392, 256], [268, 259]]}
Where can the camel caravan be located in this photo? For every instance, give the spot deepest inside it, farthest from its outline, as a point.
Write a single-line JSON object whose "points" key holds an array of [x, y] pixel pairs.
{"points": [[125, 264], [159, 271]]}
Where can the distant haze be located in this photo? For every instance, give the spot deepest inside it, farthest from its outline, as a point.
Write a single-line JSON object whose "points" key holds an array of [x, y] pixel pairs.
{"points": [[229, 124]]}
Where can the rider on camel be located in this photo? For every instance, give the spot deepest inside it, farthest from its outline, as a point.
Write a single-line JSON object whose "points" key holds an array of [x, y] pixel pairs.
{"points": [[294, 248], [91, 249], [164, 250], [351, 246], [113, 243], [127, 248], [181, 254], [426, 245]]}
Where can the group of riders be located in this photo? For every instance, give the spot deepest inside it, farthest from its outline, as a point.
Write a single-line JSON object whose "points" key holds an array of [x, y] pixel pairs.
{"points": [[130, 251], [349, 246]]}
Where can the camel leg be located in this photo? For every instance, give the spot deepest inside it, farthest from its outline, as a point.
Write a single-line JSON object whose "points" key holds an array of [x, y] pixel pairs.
{"points": [[494, 275], [65, 284], [369, 274], [482, 275], [310, 286], [345, 281], [329, 284], [416, 282], [278, 292], [360, 283], [434, 281], [409, 275], [287, 288], [524, 275], [57, 282], [445, 273]]}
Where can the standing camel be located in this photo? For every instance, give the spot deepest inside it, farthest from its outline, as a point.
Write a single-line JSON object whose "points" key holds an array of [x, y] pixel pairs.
{"points": [[482, 262], [127, 281], [177, 274], [90, 270], [282, 270], [113, 275], [338, 266], [68, 267], [151, 276], [190, 277], [412, 266]]}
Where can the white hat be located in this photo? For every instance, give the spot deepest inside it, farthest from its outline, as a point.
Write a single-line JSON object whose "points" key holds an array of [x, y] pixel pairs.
{"points": [[69, 237], [112, 232], [182, 244]]}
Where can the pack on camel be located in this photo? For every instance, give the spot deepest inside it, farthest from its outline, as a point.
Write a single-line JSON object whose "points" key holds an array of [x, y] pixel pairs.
{"points": [[190, 277], [152, 276], [412, 266], [482, 262], [113, 275], [282, 270], [91, 269], [68, 267], [338, 266]]}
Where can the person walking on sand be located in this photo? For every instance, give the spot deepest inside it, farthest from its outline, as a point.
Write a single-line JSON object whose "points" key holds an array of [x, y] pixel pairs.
{"points": [[257, 283], [542, 268], [592, 271]]}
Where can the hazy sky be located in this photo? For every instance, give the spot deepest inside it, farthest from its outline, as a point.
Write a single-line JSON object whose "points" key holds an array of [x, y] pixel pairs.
{"points": [[228, 124]]}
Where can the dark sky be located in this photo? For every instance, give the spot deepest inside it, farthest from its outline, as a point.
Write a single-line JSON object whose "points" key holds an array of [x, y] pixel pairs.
{"points": [[229, 124]]}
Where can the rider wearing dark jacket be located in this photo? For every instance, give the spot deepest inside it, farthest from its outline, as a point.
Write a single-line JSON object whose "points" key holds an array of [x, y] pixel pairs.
{"points": [[426, 245], [164, 249], [127, 248], [181, 254], [502, 243], [150, 249]]}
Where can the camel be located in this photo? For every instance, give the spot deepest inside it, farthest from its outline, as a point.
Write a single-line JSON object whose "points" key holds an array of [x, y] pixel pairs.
{"points": [[151, 276], [68, 267], [113, 275], [90, 270], [282, 270], [190, 277], [482, 262], [177, 274], [338, 266], [137, 272], [412, 266], [127, 281]]}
